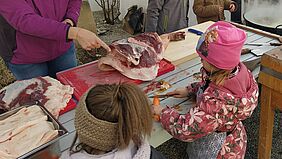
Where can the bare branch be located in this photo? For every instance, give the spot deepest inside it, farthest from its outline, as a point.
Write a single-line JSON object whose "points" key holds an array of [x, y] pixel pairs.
{"points": [[110, 9], [114, 2], [99, 4]]}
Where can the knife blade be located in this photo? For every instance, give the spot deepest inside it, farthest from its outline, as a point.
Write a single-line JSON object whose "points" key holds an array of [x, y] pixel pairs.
{"points": [[259, 51], [160, 96], [252, 64], [264, 44]]}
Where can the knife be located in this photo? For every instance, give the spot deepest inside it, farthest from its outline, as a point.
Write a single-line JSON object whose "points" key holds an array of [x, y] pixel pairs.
{"points": [[257, 52], [160, 96], [252, 64], [194, 31], [264, 44]]}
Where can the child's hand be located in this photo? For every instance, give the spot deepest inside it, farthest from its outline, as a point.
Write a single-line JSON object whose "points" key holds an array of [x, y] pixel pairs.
{"points": [[232, 7], [179, 93], [157, 110]]}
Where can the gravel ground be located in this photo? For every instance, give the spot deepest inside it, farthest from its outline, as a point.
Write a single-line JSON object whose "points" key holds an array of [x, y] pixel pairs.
{"points": [[6, 77]]}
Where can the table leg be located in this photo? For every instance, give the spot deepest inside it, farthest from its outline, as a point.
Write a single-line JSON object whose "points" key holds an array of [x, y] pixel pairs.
{"points": [[266, 124]]}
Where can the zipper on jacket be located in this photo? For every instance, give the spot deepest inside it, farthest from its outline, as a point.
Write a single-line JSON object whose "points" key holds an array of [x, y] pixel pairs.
{"points": [[186, 10], [165, 23], [35, 7]]}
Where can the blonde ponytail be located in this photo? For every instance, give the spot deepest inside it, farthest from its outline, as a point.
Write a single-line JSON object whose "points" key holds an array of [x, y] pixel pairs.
{"points": [[218, 76]]}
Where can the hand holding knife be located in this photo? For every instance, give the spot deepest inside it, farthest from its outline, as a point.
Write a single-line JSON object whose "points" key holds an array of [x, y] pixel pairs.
{"points": [[177, 93]]}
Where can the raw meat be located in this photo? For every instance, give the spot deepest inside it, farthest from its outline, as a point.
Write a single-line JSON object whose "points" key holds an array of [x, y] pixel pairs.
{"points": [[24, 131], [44, 91], [138, 57]]}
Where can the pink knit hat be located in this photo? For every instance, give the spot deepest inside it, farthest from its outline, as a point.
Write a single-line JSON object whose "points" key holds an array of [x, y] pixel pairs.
{"points": [[221, 45]]}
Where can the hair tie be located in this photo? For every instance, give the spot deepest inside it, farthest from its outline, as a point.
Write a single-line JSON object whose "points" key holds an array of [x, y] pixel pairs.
{"points": [[116, 91], [121, 99]]}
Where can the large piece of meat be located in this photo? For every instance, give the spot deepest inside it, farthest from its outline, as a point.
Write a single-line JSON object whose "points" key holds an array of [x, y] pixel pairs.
{"points": [[45, 91], [24, 131], [138, 57]]}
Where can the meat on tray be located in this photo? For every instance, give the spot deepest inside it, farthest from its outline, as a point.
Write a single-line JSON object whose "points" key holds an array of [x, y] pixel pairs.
{"points": [[24, 131], [44, 91], [138, 57]]}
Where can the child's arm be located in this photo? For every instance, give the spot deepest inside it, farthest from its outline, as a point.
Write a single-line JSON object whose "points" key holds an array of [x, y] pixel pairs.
{"points": [[205, 11], [218, 111], [188, 127], [153, 12], [183, 92]]}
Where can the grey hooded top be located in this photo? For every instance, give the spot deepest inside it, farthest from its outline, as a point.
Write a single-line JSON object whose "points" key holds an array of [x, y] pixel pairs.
{"points": [[164, 16]]}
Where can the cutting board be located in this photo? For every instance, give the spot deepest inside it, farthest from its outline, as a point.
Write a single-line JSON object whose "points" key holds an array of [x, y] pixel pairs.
{"points": [[70, 106], [81, 78], [180, 51]]}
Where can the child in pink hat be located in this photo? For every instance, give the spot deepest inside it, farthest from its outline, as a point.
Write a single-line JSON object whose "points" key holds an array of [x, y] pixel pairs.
{"points": [[227, 94]]}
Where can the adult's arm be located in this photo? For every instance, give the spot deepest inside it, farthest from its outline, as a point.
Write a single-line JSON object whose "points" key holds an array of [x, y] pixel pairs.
{"points": [[22, 17], [153, 12], [86, 38], [205, 11], [73, 11]]}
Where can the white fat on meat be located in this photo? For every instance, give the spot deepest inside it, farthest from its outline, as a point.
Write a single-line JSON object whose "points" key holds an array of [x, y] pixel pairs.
{"points": [[136, 49], [144, 44], [17, 122], [47, 91], [58, 96], [25, 132], [136, 57], [145, 73]]}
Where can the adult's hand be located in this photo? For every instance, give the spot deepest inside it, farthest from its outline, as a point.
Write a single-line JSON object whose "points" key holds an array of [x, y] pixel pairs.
{"points": [[68, 21], [87, 39], [176, 36], [232, 7], [179, 93]]}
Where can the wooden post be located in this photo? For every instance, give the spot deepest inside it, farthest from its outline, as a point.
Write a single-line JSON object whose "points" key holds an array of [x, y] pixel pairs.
{"points": [[266, 124], [270, 77]]}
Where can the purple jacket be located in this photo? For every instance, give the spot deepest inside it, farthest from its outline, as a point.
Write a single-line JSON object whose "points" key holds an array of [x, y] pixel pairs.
{"points": [[40, 33]]}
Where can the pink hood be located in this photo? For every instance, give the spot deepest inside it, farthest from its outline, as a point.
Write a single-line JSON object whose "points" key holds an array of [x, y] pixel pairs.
{"points": [[241, 85]]}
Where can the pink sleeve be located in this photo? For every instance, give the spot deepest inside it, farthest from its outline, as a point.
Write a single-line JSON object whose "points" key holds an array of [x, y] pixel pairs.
{"points": [[193, 125], [23, 18], [217, 111], [73, 10]]}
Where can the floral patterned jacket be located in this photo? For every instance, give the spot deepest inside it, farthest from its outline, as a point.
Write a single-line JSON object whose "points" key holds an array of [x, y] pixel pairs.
{"points": [[218, 109]]}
